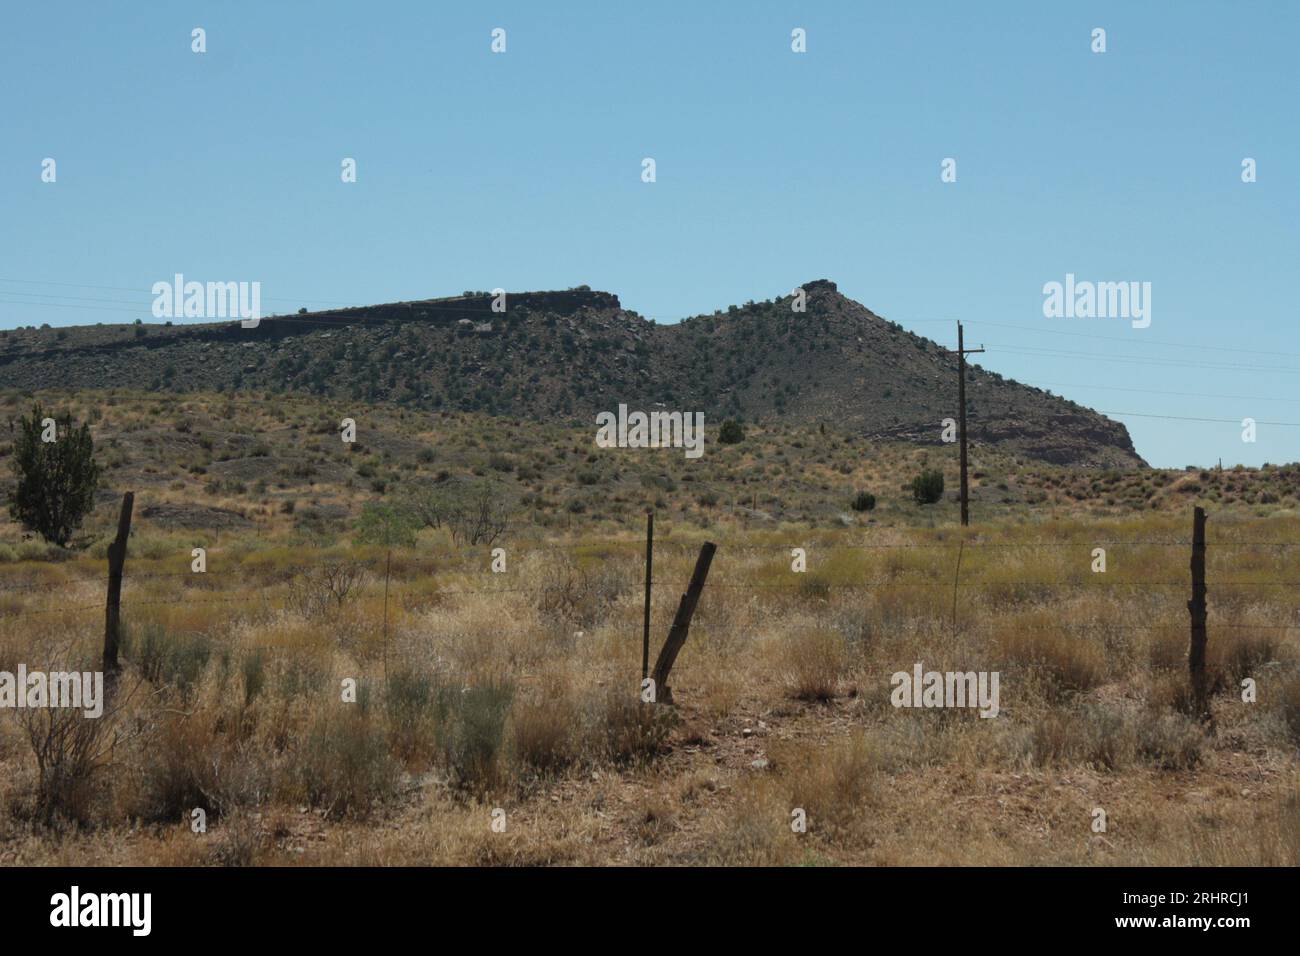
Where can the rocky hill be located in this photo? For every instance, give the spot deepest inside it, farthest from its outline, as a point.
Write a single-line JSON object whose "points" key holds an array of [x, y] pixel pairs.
{"points": [[565, 355]]}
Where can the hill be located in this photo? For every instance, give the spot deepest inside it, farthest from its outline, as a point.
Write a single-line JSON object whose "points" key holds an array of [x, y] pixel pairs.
{"points": [[563, 356]]}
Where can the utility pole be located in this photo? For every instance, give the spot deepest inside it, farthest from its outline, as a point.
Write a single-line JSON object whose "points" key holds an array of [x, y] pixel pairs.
{"points": [[961, 354]]}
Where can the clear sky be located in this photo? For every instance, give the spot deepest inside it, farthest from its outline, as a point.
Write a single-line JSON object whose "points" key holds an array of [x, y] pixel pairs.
{"points": [[523, 170]]}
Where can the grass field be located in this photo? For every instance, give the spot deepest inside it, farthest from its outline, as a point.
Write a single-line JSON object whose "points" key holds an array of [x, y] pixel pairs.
{"points": [[518, 691]]}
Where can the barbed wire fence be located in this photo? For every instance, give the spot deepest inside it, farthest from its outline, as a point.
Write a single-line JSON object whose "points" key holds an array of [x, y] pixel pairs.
{"points": [[810, 587]]}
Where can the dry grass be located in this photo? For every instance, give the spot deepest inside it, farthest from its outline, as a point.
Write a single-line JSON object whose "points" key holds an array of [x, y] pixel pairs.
{"points": [[519, 693]]}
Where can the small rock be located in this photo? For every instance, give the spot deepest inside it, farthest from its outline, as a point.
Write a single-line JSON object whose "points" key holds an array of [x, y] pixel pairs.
{"points": [[747, 732]]}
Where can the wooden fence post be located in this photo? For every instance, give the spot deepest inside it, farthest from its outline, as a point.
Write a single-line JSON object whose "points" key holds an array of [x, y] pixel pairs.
{"points": [[649, 560], [1196, 607], [388, 569], [681, 624], [116, 562]]}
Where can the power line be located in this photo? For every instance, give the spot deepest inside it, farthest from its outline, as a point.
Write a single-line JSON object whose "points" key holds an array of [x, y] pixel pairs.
{"points": [[1134, 341], [1140, 360], [1185, 418], [1156, 391]]}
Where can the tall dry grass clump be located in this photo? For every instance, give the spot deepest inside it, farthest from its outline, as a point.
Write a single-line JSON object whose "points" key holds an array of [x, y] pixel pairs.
{"points": [[814, 664]]}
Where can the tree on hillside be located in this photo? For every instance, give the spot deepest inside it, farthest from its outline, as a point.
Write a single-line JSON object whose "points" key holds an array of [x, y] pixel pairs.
{"points": [[57, 476]]}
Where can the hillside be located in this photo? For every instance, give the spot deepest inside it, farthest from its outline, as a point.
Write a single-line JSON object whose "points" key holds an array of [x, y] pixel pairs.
{"points": [[564, 356], [275, 464]]}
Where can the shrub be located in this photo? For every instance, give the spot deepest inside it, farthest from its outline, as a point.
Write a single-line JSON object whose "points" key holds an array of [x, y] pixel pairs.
{"points": [[634, 732], [344, 766], [833, 783], [253, 666], [543, 735], [1289, 706], [237, 842], [731, 433], [1170, 741], [71, 750], [326, 587], [476, 512], [471, 729], [863, 501], [189, 763], [410, 698], [385, 525], [815, 662], [175, 659], [1066, 664], [1249, 653], [1094, 735], [56, 479], [927, 487], [173, 779]]}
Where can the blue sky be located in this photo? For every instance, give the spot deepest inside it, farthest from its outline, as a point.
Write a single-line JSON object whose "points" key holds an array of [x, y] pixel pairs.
{"points": [[523, 170]]}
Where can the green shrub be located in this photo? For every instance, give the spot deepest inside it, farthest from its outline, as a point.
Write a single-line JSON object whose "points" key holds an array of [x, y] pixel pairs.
{"points": [[386, 525], [162, 658], [863, 501], [731, 433], [344, 766], [471, 730], [56, 479], [927, 487], [411, 697]]}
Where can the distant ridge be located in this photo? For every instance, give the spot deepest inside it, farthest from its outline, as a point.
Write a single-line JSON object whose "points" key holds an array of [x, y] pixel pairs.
{"points": [[568, 354]]}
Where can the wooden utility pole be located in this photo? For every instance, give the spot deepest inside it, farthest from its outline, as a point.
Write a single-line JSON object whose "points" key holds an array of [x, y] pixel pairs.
{"points": [[649, 560], [961, 354], [116, 562], [681, 624], [1196, 607]]}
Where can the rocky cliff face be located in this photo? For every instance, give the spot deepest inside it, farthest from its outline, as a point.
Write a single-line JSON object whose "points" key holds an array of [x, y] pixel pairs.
{"points": [[565, 355]]}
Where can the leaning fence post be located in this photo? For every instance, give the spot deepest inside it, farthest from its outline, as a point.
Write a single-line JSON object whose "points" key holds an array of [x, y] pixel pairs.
{"points": [[1196, 606], [116, 562], [681, 624]]}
